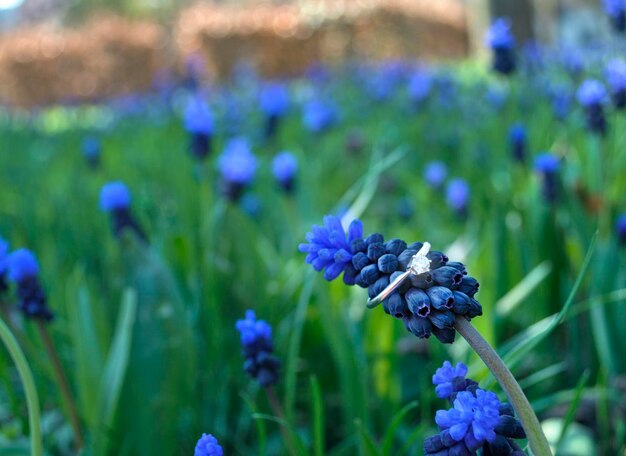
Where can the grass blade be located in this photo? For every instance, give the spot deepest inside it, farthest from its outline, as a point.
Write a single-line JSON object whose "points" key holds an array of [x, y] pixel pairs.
{"points": [[319, 441], [392, 428]]}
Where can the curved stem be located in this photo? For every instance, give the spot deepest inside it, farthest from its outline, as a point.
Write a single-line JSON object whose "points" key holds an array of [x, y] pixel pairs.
{"points": [[63, 384], [536, 438], [32, 400], [278, 411]]}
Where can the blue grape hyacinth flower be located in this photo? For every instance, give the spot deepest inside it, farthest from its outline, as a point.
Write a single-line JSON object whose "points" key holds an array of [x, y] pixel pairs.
{"points": [[256, 340], [274, 103], [435, 174], [427, 303], [237, 166], [319, 115], [419, 87], [616, 10], [208, 446], [92, 149], [547, 165], [457, 196], [518, 139], [616, 79], [284, 168], [23, 270], [450, 379], [4, 265], [477, 420], [501, 41], [199, 123], [330, 249], [620, 228], [115, 199], [592, 95]]}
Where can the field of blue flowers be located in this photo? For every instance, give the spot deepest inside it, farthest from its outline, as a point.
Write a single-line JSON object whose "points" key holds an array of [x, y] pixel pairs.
{"points": [[184, 269]]}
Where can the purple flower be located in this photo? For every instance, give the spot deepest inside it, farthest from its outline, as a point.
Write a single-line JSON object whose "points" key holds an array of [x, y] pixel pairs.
{"points": [[253, 331], [591, 92], [457, 195], [256, 340], [546, 163], [208, 446], [329, 248], [284, 167], [22, 265], [499, 34], [472, 419], [435, 173], [420, 86], [319, 115], [447, 377], [614, 8], [4, 256], [616, 75], [237, 164], [114, 196], [198, 117], [274, 99], [620, 227]]}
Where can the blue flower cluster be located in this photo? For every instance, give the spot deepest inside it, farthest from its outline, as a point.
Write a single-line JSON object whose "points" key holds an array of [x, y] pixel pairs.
{"points": [[284, 168], [198, 120], [616, 10], [319, 115], [23, 270], [476, 421], [592, 95], [427, 303], [4, 265], [616, 79], [208, 446], [256, 340], [237, 166], [115, 199], [547, 165], [92, 149], [274, 103], [518, 140], [501, 41]]}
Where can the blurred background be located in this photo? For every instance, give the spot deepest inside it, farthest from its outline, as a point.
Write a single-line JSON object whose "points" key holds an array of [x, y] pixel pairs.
{"points": [[71, 50]]}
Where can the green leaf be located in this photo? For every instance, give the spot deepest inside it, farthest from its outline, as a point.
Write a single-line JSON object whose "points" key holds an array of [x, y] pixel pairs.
{"points": [[115, 367], [318, 418], [392, 428], [523, 289], [571, 411], [368, 446]]}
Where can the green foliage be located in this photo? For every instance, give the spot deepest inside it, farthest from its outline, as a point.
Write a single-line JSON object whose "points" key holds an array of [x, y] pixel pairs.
{"points": [[146, 333]]}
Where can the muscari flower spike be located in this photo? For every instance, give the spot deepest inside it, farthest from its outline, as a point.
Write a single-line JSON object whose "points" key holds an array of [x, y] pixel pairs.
{"points": [[616, 79], [237, 166], [284, 168], [547, 165], [115, 199], [457, 196], [274, 103], [4, 265], [420, 86], [91, 149], [476, 421], [435, 173], [23, 270], [208, 446], [319, 115], [256, 340], [427, 303], [501, 41], [591, 95], [518, 142], [616, 10], [198, 120], [620, 228]]}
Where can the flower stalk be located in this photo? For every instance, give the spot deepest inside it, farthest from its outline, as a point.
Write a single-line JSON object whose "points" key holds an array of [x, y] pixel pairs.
{"points": [[536, 438], [62, 383]]}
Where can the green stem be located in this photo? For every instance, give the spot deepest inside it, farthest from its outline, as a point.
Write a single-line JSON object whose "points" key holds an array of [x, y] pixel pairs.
{"points": [[536, 438], [278, 411], [32, 400], [63, 384]]}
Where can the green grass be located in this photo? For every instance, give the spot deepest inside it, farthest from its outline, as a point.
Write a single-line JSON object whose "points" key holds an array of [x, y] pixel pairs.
{"points": [[146, 333]]}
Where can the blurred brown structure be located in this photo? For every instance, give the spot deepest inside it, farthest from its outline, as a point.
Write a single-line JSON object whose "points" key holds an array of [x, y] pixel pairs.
{"points": [[284, 40], [110, 56]]}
